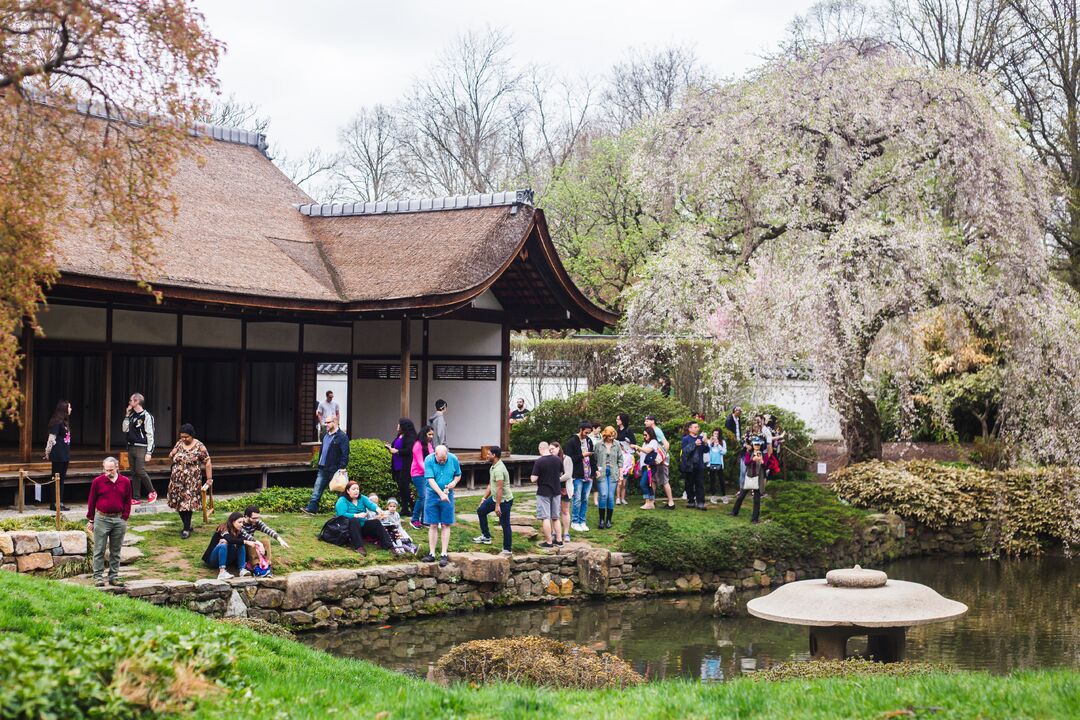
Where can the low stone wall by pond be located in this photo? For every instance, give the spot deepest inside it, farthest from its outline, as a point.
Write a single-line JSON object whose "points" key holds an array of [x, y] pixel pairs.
{"points": [[316, 599], [28, 552]]}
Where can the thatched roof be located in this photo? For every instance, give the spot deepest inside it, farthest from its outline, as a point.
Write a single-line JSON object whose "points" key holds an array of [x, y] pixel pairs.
{"points": [[245, 234]]}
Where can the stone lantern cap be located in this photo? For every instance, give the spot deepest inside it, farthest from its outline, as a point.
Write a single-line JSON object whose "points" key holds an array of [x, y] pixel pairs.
{"points": [[853, 596]]}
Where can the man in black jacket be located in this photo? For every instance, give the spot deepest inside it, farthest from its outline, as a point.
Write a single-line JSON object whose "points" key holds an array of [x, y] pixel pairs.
{"points": [[733, 426], [334, 456], [579, 448]]}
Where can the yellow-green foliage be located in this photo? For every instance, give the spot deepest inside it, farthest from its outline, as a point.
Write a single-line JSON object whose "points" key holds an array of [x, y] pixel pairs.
{"points": [[532, 660], [818, 669], [1022, 508]]}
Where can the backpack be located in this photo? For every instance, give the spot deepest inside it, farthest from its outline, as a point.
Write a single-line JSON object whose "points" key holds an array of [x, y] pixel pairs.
{"points": [[335, 531]]}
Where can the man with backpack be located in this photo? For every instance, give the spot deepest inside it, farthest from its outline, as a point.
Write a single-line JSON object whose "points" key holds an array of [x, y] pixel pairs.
{"points": [[692, 466]]}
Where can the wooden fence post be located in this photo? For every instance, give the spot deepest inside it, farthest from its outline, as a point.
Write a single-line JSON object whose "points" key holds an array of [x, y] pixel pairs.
{"points": [[22, 490], [56, 500]]}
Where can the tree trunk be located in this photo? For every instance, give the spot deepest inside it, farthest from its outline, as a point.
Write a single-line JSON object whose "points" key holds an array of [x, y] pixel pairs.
{"points": [[860, 424]]}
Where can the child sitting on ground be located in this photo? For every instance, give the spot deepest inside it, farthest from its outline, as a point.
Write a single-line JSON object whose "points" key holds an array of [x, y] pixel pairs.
{"points": [[392, 522]]}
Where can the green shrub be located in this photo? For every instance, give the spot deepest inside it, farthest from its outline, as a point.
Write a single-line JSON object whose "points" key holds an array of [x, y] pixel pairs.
{"points": [[278, 500], [145, 674], [1022, 508], [819, 669], [558, 419], [663, 544], [812, 513], [369, 465]]}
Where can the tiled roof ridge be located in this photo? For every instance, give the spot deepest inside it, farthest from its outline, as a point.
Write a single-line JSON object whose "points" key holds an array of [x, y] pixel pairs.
{"points": [[509, 198]]}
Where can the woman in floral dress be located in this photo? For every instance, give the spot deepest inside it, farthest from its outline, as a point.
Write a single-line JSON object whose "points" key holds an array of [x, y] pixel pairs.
{"points": [[186, 480]]}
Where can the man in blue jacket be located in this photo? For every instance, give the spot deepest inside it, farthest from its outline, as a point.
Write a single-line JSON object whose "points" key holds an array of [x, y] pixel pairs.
{"points": [[334, 456], [692, 465]]}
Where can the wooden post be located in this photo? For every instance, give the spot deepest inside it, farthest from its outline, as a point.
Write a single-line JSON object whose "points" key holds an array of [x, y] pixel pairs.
{"points": [[26, 417], [56, 499], [504, 389], [406, 362], [107, 410], [19, 503]]}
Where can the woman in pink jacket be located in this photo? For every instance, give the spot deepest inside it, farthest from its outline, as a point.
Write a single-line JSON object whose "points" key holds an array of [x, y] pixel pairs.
{"points": [[424, 446]]}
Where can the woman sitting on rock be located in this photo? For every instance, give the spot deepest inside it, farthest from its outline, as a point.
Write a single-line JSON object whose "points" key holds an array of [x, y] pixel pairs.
{"points": [[355, 507], [228, 548]]}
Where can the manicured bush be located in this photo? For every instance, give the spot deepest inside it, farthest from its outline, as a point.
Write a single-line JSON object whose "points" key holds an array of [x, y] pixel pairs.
{"points": [[665, 544], [812, 513], [536, 661], [369, 465], [1022, 509], [558, 419], [127, 675]]}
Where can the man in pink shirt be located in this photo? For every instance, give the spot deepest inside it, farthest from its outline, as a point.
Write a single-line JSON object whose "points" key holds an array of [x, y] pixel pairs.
{"points": [[107, 511]]}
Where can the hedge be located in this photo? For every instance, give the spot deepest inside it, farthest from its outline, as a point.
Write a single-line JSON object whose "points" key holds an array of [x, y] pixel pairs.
{"points": [[1023, 509]]}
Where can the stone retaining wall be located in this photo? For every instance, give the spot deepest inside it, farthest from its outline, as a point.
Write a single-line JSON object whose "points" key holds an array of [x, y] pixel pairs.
{"points": [[318, 599], [27, 552]]}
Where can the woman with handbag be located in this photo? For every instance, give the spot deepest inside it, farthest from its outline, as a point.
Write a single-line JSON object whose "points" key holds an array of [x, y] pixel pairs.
{"points": [[651, 456], [625, 437], [759, 467]]}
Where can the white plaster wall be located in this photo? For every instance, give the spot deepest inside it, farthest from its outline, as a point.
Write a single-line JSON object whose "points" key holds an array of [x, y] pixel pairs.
{"points": [[464, 337], [335, 339], [487, 301], [337, 384], [807, 399], [383, 337], [73, 322], [279, 336], [144, 328], [377, 406], [536, 390], [474, 415], [212, 332]]}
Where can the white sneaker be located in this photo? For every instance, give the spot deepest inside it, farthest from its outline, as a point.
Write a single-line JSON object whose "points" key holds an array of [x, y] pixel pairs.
{"points": [[566, 537], [224, 575], [482, 540], [245, 572], [505, 552], [584, 528]]}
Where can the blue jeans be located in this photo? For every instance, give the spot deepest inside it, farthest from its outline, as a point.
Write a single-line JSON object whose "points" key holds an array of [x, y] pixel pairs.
{"points": [[322, 478], [582, 487], [646, 491], [421, 498], [219, 556], [606, 487], [486, 508]]}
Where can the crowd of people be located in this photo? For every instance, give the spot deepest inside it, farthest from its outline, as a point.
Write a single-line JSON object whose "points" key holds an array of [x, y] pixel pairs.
{"points": [[597, 461]]}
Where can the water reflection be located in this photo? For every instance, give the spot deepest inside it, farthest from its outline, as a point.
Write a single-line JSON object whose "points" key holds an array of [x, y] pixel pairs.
{"points": [[1023, 615]]}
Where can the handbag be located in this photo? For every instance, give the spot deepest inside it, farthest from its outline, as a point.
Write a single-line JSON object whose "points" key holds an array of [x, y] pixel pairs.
{"points": [[751, 483], [339, 481]]}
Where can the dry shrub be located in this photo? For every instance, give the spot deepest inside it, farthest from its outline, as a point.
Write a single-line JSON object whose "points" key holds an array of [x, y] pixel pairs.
{"points": [[537, 661], [818, 669], [1021, 508], [162, 690]]}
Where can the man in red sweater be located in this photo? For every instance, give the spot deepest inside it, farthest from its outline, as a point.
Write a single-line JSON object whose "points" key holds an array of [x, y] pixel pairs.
{"points": [[107, 511]]}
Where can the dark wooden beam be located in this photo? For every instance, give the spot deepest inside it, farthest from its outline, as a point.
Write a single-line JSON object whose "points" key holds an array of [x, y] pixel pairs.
{"points": [[406, 363], [424, 348], [504, 402], [26, 416]]}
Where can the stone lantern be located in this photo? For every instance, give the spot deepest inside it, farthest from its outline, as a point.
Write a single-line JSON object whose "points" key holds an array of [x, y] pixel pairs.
{"points": [[851, 602]]}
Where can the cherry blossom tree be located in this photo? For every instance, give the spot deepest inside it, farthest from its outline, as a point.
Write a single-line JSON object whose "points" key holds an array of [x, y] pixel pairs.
{"points": [[826, 197]]}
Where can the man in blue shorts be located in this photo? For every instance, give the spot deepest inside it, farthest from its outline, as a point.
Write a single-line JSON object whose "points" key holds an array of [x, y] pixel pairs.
{"points": [[442, 472]]}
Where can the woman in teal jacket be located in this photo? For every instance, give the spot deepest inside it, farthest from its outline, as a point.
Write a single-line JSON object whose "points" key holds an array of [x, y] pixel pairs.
{"points": [[364, 519]]}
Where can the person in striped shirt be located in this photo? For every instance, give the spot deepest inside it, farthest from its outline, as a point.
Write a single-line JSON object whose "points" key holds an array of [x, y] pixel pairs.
{"points": [[253, 523]]}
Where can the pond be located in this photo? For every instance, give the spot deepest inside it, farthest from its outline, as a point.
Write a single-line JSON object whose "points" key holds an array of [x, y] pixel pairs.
{"points": [[1023, 614]]}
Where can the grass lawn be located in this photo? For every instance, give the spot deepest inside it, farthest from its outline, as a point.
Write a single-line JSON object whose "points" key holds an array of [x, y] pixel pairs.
{"points": [[294, 681]]}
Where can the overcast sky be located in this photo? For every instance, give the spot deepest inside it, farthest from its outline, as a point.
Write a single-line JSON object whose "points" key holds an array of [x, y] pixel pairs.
{"points": [[310, 66]]}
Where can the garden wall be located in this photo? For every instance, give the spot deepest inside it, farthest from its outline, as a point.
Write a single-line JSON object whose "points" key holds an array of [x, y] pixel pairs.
{"points": [[317, 599], [29, 552]]}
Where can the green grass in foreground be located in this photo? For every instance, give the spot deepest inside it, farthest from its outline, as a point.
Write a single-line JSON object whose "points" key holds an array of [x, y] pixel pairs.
{"points": [[293, 681]]}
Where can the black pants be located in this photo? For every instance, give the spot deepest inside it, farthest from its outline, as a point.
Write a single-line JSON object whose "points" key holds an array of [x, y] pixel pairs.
{"points": [[404, 488], [757, 504], [359, 528], [694, 481], [486, 508], [58, 468], [716, 475]]}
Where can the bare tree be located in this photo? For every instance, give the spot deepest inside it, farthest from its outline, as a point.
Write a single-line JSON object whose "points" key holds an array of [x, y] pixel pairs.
{"points": [[975, 35], [645, 85], [309, 171], [234, 113], [460, 119], [550, 131], [832, 21], [370, 166]]}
